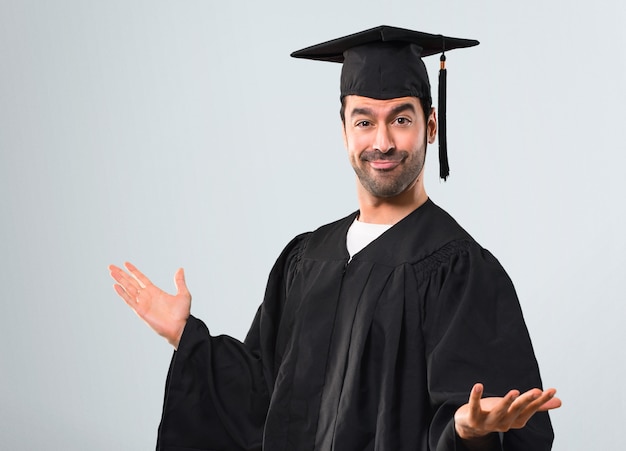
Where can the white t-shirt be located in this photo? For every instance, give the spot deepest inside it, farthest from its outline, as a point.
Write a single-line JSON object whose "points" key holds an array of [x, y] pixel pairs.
{"points": [[360, 234]]}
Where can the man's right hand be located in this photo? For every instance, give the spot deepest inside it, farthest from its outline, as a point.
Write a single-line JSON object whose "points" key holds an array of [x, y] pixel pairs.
{"points": [[164, 313]]}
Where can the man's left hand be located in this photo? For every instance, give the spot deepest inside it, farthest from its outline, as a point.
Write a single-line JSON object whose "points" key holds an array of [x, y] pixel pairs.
{"points": [[483, 416]]}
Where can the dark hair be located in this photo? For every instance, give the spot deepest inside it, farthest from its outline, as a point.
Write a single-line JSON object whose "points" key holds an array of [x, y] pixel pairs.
{"points": [[425, 102]]}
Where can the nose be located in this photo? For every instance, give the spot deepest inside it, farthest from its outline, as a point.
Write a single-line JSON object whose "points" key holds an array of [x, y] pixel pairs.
{"points": [[384, 140]]}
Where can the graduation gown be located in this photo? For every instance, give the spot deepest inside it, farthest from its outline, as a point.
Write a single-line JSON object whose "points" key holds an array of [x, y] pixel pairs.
{"points": [[372, 354]]}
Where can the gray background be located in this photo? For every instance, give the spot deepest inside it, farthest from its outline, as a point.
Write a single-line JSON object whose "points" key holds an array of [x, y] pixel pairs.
{"points": [[180, 133]]}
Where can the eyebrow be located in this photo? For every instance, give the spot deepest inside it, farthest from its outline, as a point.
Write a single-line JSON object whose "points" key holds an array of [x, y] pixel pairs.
{"points": [[396, 110]]}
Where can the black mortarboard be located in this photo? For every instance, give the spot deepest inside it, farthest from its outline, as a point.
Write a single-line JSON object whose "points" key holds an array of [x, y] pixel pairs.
{"points": [[386, 62]]}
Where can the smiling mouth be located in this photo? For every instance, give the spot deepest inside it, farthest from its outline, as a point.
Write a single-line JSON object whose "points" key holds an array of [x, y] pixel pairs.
{"points": [[383, 161], [384, 165]]}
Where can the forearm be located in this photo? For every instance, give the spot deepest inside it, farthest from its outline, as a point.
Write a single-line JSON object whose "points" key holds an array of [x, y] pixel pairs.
{"points": [[216, 396]]}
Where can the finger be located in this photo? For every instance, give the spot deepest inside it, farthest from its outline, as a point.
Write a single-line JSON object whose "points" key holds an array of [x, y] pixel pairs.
{"points": [[130, 284], [181, 285], [552, 403], [115, 271], [529, 404], [474, 400], [141, 278], [531, 399], [545, 401], [503, 407], [124, 295]]}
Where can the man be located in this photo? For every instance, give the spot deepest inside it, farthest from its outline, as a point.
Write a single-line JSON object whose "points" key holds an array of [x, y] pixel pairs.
{"points": [[374, 328]]}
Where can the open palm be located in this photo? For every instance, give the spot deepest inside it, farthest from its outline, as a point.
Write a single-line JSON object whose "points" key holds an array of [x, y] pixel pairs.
{"points": [[482, 416], [166, 314]]}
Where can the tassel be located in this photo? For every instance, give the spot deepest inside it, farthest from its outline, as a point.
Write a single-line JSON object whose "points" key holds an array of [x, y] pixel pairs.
{"points": [[444, 169]]}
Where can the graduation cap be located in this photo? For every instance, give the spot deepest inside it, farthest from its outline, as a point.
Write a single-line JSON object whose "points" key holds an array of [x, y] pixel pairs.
{"points": [[386, 63]]}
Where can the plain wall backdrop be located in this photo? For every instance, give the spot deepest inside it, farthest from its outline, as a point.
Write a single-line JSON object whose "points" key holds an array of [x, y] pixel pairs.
{"points": [[181, 133]]}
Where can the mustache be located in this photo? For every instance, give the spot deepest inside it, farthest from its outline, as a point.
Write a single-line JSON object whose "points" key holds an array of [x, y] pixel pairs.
{"points": [[377, 155]]}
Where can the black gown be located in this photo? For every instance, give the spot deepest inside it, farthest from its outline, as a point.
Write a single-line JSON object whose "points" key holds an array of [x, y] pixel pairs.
{"points": [[374, 354]]}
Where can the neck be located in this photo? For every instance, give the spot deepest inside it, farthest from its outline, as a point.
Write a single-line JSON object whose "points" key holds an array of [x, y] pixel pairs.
{"points": [[390, 210]]}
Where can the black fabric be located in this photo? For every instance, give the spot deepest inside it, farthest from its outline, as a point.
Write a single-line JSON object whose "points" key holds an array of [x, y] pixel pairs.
{"points": [[430, 44], [384, 62], [376, 354], [385, 71]]}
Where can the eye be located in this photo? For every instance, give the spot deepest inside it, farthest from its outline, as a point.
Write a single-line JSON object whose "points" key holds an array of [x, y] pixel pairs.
{"points": [[403, 120], [363, 123]]}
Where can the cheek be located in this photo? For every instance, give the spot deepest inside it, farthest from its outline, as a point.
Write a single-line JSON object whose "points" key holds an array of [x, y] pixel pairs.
{"points": [[409, 141], [355, 143]]}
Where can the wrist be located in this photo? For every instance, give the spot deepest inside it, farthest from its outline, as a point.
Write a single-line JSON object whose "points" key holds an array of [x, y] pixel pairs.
{"points": [[474, 440], [176, 334], [466, 433]]}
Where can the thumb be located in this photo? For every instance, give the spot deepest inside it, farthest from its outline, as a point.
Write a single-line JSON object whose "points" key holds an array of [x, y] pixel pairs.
{"points": [[181, 286]]}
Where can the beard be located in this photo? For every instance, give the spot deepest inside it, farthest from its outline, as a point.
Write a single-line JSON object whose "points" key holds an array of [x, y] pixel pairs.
{"points": [[389, 183]]}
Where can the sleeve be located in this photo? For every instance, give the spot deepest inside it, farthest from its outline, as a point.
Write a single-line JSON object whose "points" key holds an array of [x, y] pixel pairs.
{"points": [[218, 389], [474, 331]]}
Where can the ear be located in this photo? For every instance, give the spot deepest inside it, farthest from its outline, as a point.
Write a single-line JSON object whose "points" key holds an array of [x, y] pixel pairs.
{"points": [[431, 126]]}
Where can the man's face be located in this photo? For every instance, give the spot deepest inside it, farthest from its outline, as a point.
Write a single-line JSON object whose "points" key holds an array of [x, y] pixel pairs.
{"points": [[386, 142]]}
